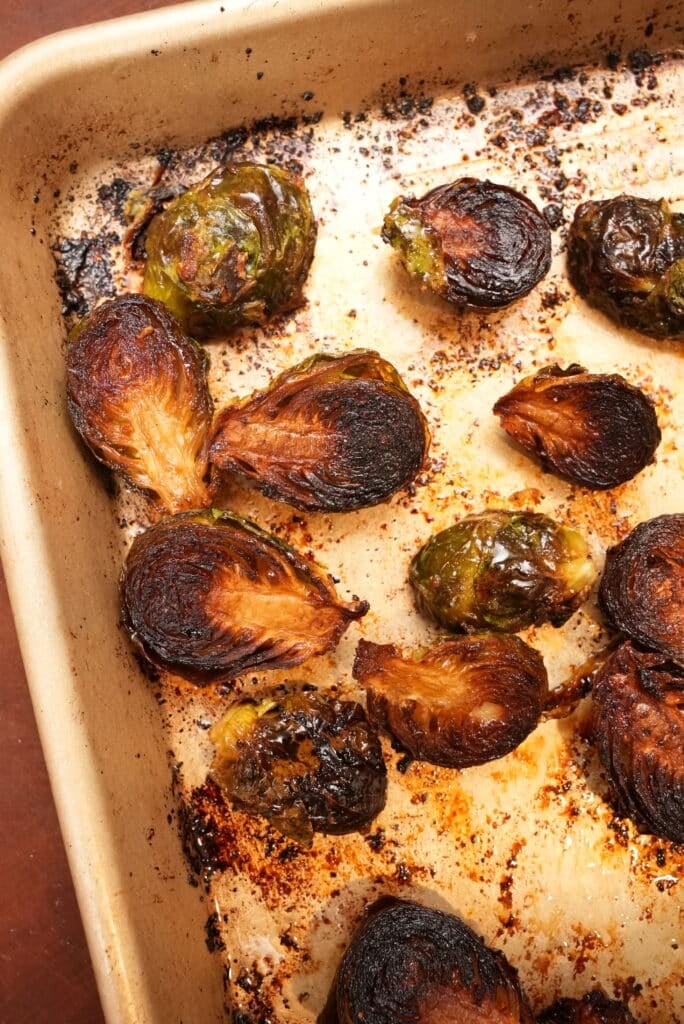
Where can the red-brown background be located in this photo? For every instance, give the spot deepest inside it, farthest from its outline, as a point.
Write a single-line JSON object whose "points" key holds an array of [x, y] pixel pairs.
{"points": [[45, 972]]}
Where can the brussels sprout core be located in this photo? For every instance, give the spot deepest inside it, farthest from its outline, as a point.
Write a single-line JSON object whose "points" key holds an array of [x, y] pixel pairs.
{"points": [[306, 762], [236, 248], [335, 433], [502, 570], [626, 256], [138, 396], [475, 243], [466, 701], [208, 595]]}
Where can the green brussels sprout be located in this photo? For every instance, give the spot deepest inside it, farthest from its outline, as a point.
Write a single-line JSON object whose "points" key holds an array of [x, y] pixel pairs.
{"points": [[234, 249], [411, 963], [465, 701], [638, 711], [595, 429], [209, 596], [502, 570], [476, 244], [626, 257], [334, 433], [305, 761], [138, 396], [593, 1008]]}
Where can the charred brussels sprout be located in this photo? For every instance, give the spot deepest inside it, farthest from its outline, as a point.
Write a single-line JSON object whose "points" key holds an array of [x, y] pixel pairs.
{"points": [[138, 396], [236, 248], [594, 429], [411, 963], [208, 595], [642, 588], [626, 256], [335, 433], [638, 700], [466, 701], [307, 762], [475, 243], [592, 1008], [502, 570]]}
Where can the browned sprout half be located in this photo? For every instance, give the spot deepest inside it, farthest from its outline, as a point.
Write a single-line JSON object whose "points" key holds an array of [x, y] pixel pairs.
{"points": [[208, 596], [306, 761], [502, 570], [593, 1008], [626, 256], [642, 588], [467, 700], [638, 700], [477, 244], [409, 963], [335, 433], [138, 396], [592, 428]]}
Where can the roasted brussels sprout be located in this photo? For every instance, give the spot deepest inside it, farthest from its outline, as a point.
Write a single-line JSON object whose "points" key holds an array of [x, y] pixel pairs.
{"points": [[502, 570], [475, 243], [593, 1008], [138, 396], [638, 700], [466, 701], [642, 588], [208, 595], [407, 963], [626, 256], [594, 429], [334, 433], [307, 762], [236, 248]]}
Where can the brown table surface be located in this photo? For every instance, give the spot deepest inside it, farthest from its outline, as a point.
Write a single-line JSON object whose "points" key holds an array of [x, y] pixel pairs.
{"points": [[45, 972]]}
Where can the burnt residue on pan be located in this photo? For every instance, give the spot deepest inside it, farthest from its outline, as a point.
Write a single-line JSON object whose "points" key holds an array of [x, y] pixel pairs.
{"points": [[527, 848]]}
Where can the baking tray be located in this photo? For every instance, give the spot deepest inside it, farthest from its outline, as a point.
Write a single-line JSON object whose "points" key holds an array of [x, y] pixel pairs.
{"points": [[368, 98]]}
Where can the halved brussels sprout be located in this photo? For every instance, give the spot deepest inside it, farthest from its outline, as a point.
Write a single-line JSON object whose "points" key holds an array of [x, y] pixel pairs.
{"points": [[235, 248], [467, 700], [307, 762], [592, 428], [642, 588], [334, 433], [477, 244], [593, 1008], [138, 396], [502, 570], [638, 700], [407, 963], [208, 595], [626, 256]]}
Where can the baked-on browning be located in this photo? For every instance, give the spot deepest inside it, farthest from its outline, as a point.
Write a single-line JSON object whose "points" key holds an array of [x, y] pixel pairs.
{"points": [[477, 244], [626, 256], [235, 248], [502, 570], [304, 760], [638, 700], [407, 962], [334, 433], [209, 595], [593, 1008], [467, 700], [138, 396], [642, 588], [595, 429]]}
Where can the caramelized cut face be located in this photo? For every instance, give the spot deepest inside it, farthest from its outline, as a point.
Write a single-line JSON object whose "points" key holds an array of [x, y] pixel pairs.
{"points": [[408, 963], [466, 701], [594, 429], [209, 596], [592, 1008], [138, 396], [335, 433]]}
